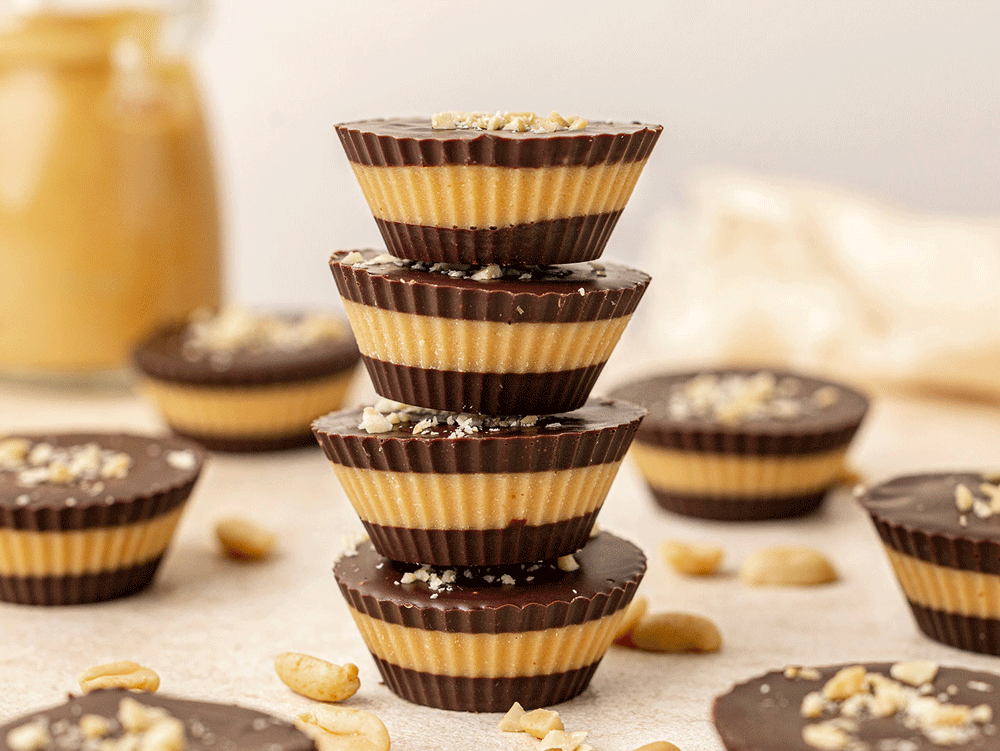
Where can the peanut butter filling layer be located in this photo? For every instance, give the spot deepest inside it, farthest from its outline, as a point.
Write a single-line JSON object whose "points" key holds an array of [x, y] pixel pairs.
{"points": [[271, 410], [451, 344], [526, 653], [484, 197], [24, 553], [736, 475], [474, 501], [951, 590]]}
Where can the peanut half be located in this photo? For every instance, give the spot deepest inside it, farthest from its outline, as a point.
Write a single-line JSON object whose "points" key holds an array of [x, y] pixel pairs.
{"points": [[315, 678], [693, 559], [633, 614], [335, 728], [243, 539], [123, 674], [676, 632], [787, 566], [658, 746]]}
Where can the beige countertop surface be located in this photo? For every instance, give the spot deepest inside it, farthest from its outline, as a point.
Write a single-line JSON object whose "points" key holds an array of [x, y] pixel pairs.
{"points": [[211, 627]]}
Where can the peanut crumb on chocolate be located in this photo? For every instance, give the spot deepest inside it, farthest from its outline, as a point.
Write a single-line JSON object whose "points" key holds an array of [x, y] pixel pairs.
{"points": [[735, 397], [567, 563], [984, 506], [84, 465], [387, 415], [219, 336], [515, 122], [854, 695]]}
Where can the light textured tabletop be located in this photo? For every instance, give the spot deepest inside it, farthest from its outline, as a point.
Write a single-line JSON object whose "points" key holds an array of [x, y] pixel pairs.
{"points": [[211, 627]]}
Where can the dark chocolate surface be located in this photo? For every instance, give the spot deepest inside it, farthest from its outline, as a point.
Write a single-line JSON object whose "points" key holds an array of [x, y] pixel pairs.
{"points": [[237, 444], [552, 241], [917, 515], [823, 430], [484, 393], [598, 433], [152, 486], [551, 294], [610, 570], [163, 356], [208, 726], [749, 719], [413, 142]]}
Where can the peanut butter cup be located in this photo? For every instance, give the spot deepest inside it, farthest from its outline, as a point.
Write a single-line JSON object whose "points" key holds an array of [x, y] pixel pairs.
{"points": [[941, 533], [740, 444], [248, 381], [88, 516], [488, 340], [479, 639], [512, 189], [120, 719], [903, 706], [465, 490]]}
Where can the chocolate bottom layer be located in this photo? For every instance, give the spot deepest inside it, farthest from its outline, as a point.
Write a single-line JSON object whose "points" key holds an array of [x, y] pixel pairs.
{"points": [[518, 543], [246, 444], [78, 589], [484, 694], [484, 393], [554, 241], [738, 509], [968, 632]]}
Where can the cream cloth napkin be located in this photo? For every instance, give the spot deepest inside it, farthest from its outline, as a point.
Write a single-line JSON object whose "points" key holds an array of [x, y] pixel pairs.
{"points": [[766, 271]]}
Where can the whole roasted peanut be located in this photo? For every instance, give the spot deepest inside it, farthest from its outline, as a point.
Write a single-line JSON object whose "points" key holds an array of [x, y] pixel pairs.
{"points": [[335, 728], [244, 540], [676, 632], [315, 678], [123, 674], [633, 614], [787, 566], [693, 559]]}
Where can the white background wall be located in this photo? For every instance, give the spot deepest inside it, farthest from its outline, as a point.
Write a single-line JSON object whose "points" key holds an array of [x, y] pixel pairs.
{"points": [[899, 98]]}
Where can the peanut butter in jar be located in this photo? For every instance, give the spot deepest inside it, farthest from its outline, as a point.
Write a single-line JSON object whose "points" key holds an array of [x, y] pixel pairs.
{"points": [[108, 210]]}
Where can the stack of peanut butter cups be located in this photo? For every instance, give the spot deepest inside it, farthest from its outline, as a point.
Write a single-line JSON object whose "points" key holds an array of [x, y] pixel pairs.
{"points": [[481, 471]]}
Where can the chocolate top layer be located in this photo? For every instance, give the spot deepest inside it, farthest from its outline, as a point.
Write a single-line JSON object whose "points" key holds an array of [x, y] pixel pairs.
{"points": [[822, 428], [413, 142], [918, 515], [598, 433], [160, 476], [208, 726], [541, 596], [536, 294], [166, 355], [753, 718]]}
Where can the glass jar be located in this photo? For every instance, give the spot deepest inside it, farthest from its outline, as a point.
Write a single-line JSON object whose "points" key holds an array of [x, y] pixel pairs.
{"points": [[108, 210]]}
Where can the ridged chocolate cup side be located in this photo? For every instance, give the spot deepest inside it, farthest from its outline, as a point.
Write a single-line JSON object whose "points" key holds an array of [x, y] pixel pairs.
{"points": [[518, 543], [78, 589], [484, 393], [484, 694], [400, 143], [612, 291], [555, 241], [738, 509]]}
